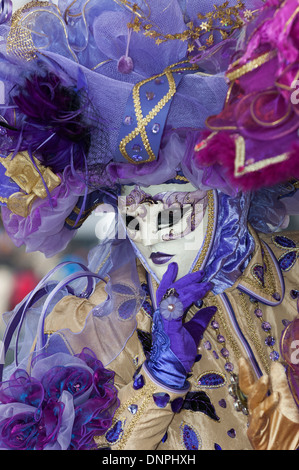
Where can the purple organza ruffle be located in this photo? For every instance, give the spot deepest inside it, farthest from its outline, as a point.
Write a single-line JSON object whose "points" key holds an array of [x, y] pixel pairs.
{"points": [[64, 403], [43, 229]]}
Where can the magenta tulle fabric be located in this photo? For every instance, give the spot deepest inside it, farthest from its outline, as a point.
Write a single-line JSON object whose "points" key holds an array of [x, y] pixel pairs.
{"points": [[64, 402], [262, 105], [44, 228]]}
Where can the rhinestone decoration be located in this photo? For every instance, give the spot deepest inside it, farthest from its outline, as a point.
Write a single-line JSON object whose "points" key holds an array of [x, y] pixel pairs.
{"points": [[266, 327], [177, 404], [133, 409], [137, 158], [229, 367], [231, 433], [150, 95], [156, 128], [128, 120], [240, 402], [222, 403], [161, 399], [138, 382]]}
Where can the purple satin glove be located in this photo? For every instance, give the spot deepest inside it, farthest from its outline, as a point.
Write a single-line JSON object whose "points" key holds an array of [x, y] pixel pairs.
{"points": [[175, 343], [189, 288]]}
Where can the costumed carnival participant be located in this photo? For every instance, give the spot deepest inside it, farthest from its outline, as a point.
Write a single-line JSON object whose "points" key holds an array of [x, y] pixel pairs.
{"points": [[181, 120]]}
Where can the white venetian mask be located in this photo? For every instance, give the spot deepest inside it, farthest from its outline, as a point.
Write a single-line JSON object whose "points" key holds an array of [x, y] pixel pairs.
{"points": [[166, 223]]}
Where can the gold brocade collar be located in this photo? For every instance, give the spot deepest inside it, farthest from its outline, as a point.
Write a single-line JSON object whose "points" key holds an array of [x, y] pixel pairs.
{"points": [[262, 279]]}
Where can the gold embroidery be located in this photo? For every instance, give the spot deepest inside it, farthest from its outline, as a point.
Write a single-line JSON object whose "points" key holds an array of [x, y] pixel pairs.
{"points": [[145, 395], [201, 145], [240, 166], [224, 18], [209, 233], [250, 66], [270, 286], [3, 199], [19, 41], [181, 178], [142, 122], [21, 170]]}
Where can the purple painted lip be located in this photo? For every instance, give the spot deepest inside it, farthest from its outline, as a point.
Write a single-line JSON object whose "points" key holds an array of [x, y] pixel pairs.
{"points": [[160, 258]]}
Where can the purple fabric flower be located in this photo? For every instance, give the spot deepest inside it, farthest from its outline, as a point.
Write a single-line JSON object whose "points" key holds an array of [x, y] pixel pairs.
{"points": [[64, 404], [171, 307]]}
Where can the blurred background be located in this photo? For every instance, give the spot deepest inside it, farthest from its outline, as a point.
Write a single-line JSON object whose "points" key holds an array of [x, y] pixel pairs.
{"points": [[20, 271]]}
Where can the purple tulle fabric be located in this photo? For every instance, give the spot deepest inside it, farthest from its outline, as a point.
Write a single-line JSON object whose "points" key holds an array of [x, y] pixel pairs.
{"points": [[62, 405], [43, 229]]}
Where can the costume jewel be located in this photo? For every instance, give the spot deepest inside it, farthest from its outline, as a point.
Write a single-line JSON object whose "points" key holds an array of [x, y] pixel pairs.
{"points": [[171, 307]]}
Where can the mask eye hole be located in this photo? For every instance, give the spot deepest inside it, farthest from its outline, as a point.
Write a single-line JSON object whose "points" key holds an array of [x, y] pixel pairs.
{"points": [[132, 223], [171, 217]]}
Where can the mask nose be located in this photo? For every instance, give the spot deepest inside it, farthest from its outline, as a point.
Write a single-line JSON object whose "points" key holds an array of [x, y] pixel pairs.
{"points": [[148, 232], [148, 225]]}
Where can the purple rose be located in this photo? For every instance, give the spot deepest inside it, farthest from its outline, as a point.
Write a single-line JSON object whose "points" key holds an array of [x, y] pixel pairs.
{"points": [[19, 432], [64, 404], [29, 428], [74, 380]]}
